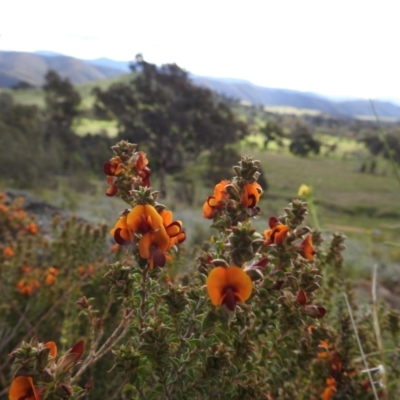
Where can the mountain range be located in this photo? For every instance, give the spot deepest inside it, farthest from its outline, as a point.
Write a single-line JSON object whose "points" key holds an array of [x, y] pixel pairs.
{"points": [[30, 68]]}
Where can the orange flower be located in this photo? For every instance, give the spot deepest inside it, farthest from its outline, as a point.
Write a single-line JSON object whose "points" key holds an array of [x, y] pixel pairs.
{"points": [[173, 228], [81, 270], [50, 279], [23, 288], [330, 389], [53, 349], [121, 232], [114, 248], [113, 167], [141, 168], [3, 208], [111, 191], [228, 286], [323, 349], [215, 202], [8, 251], [155, 241], [153, 245], [26, 287], [22, 387], [143, 219], [251, 194], [90, 271], [32, 228], [53, 271], [51, 276], [307, 248], [277, 232]]}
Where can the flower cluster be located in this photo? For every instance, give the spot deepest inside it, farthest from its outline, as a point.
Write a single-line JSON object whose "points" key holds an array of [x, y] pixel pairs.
{"points": [[127, 170], [15, 220], [244, 253], [153, 233], [40, 372], [148, 228], [276, 234], [226, 195]]}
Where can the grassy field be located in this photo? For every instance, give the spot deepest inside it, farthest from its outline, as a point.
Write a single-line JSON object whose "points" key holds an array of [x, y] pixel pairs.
{"points": [[36, 96], [363, 206], [83, 126]]}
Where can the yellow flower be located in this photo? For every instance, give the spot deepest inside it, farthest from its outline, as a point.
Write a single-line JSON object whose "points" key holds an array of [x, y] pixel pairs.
{"points": [[305, 190]]}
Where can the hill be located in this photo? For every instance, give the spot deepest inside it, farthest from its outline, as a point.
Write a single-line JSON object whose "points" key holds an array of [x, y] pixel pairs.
{"points": [[249, 92], [17, 67], [30, 68]]}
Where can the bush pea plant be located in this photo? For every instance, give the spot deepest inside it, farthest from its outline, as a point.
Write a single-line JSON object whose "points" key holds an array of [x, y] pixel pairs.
{"points": [[258, 315]]}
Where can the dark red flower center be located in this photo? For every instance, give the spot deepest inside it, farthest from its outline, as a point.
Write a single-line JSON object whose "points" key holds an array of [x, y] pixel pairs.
{"points": [[230, 299], [157, 255]]}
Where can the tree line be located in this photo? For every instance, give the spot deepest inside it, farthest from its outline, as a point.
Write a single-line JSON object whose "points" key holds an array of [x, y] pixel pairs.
{"points": [[189, 132]]}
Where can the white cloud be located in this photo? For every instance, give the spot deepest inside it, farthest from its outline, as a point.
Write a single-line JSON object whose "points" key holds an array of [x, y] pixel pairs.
{"points": [[332, 47]]}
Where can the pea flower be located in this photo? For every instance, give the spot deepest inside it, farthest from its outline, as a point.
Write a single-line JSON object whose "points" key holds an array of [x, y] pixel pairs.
{"points": [[143, 219], [228, 286], [142, 169], [330, 389], [306, 248], [113, 167], [152, 246], [251, 194], [22, 387], [215, 202], [173, 228], [276, 232], [121, 232]]}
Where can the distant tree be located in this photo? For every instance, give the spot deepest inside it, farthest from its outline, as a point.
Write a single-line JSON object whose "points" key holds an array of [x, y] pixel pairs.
{"points": [[24, 162], [62, 106], [135, 65], [22, 85], [272, 132], [303, 143], [173, 119], [376, 145], [62, 100]]}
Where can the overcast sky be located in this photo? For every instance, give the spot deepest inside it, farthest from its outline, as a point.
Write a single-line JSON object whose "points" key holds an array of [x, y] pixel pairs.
{"points": [[337, 48]]}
